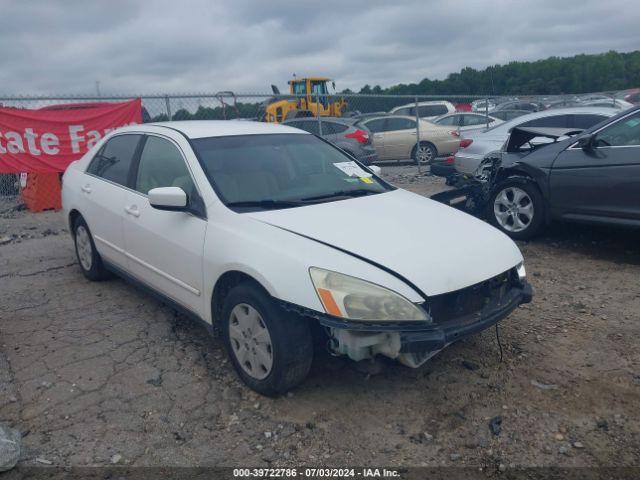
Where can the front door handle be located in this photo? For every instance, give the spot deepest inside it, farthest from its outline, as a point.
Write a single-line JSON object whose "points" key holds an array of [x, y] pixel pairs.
{"points": [[86, 188], [132, 210]]}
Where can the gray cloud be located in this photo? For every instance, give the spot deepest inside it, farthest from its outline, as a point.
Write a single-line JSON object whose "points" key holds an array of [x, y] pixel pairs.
{"points": [[135, 46]]}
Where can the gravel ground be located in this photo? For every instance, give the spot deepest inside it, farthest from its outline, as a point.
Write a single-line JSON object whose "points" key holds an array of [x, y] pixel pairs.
{"points": [[102, 373]]}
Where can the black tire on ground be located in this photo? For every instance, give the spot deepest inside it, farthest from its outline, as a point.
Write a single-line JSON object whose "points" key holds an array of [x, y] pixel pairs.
{"points": [[522, 207], [429, 149], [289, 336], [86, 253]]}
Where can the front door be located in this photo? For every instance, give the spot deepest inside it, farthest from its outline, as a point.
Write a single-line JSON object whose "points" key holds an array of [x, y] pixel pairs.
{"points": [[165, 248], [376, 127], [601, 181]]}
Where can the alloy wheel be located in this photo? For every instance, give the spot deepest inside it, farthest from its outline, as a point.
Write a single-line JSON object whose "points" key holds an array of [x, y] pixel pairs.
{"points": [[513, 209], [424, 154], [250, 341]]}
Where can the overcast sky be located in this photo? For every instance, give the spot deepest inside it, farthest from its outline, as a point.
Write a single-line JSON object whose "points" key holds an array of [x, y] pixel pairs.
{"points": [[138, 46]]}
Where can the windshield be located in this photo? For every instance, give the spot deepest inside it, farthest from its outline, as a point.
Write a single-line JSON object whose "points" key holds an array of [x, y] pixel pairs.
{"points": [[258, 172]]}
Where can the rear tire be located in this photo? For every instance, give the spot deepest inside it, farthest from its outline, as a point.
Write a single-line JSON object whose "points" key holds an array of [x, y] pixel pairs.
{"points": [[270, 348], [516, 207], [424, 153], [88, 257]]}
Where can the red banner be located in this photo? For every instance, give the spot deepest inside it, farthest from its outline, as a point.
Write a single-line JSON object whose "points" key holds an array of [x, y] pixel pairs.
{"points": [[49, 139]]}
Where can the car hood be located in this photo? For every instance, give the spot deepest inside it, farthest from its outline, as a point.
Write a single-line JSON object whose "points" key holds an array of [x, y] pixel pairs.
{"points": [[437, 248]]}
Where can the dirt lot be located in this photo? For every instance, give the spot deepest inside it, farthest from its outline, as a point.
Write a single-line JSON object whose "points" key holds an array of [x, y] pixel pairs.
{"points": [[102, 373]]}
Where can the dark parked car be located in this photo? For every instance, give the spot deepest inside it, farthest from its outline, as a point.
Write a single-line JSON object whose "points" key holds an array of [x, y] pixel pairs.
{"points": [[343, 133], [518, 105], [592, 177]]}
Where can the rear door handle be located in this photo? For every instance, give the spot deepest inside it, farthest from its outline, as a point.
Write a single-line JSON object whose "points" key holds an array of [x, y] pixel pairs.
{"points": [[86, 188], [132, 210]]}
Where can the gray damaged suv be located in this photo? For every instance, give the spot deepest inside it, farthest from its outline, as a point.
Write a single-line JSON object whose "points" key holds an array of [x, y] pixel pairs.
{"points": [[343, 133]]}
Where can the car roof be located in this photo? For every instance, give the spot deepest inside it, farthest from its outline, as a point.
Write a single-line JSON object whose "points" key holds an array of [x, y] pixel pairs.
{"points": [[609, 112], [428, 102], [224, 128], [345, 120], [450, 114]]}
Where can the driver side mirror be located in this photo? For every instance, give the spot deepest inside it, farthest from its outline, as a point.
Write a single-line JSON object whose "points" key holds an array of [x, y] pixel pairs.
{"points": [[173, 199], [375, 169], [586, 142]]}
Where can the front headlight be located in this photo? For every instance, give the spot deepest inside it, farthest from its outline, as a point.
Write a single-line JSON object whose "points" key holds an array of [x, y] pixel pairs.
{"points": [[522, 274], [349, 297]]}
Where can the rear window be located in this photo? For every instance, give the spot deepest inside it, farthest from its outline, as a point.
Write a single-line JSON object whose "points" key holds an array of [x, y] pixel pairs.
{"points": [[554, 121], [311, 127], [585, 121], [113, 161], [432, 110], [332, 128]]}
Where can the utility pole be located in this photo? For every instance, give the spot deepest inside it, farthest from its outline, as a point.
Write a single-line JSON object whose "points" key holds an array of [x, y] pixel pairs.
{"points": [[98, 88]]}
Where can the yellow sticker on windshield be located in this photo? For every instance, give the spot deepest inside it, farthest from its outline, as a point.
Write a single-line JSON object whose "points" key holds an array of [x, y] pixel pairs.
{"points": [[366, 179]]}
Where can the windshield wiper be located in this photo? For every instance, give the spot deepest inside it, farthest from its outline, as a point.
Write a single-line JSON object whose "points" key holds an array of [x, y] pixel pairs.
{"points": [[360, 192], [266, 204]]}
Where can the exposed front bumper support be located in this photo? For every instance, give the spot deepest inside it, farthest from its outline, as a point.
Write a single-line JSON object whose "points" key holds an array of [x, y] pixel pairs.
{"points": [[408, 341]]}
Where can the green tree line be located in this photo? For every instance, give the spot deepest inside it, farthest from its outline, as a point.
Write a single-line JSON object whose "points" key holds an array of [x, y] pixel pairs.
{"points": [[551, 76]]}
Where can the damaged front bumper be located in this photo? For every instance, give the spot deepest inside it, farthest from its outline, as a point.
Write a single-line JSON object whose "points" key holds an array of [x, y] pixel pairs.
{"points": [[413, 343]]}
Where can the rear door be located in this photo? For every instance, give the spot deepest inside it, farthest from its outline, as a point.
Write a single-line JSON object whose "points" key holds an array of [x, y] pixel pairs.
{"points": [[399, 138], [603, 181], [376, 127], [104, 188], [165, 248]]}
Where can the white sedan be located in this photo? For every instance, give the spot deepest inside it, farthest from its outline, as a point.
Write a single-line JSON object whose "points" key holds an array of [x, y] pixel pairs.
{"points": [[265, 231]]}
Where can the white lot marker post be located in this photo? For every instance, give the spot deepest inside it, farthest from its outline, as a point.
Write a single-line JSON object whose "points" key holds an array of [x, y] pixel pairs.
{"points": [[418, 137], [486, 110], [318, 113], [167, 102]]}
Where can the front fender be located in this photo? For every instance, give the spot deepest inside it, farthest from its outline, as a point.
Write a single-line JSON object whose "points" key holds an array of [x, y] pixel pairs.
{"points": [[280, 260], [538, 175]]}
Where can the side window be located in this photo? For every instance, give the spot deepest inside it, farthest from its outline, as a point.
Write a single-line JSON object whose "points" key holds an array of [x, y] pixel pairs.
{"points": [[623, 133], [476, 120], [161, 165], [114, 159], [585, 121], [375, 126], [404, 111], [450, 121], [400, 124], [555, 121]]}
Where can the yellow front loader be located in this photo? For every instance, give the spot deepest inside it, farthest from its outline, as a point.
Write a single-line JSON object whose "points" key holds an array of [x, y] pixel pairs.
{"points": [[309, 98]]}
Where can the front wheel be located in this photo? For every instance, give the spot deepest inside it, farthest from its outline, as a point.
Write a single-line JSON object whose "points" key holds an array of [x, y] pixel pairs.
{"points": [[424, 152], [271, 349], [517, 208]]}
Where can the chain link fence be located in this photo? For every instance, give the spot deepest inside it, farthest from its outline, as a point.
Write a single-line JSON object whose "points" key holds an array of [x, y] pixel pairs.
{"points": [[350, 107]]}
